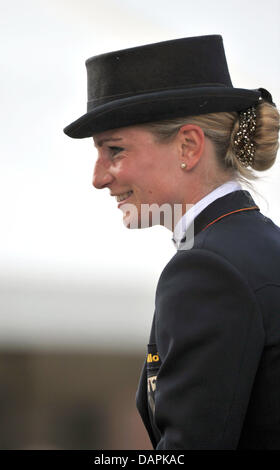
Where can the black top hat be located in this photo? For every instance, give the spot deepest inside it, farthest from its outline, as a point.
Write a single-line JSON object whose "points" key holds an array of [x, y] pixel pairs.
{"points": [[176, 78]]}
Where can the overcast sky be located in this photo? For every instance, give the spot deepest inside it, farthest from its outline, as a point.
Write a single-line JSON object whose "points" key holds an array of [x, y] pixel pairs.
{"points": [[52, 220], [53, 223]]}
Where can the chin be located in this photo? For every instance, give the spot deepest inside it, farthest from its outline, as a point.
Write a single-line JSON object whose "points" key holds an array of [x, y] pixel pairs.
{"points": [[135, 221], [145, 216]]}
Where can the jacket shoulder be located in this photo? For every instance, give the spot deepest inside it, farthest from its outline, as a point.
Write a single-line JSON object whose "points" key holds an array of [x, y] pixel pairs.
{"points": [[250, 242]]}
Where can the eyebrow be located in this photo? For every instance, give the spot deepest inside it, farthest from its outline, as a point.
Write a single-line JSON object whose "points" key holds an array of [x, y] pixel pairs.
{"points": [[101, 141]]}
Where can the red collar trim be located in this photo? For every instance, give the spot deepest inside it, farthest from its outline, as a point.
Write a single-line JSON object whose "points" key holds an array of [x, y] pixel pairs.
{"points": [[229, 213]]}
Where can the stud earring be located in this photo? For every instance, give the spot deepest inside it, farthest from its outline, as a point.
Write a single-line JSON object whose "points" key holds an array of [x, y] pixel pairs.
{"points": [[183, 165]]}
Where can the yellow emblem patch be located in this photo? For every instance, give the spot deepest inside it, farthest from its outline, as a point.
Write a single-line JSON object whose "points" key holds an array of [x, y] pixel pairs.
{"points": [[153, 358]]}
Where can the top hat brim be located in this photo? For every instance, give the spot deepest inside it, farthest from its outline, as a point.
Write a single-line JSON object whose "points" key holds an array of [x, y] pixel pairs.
{"points": [[161, 105]]}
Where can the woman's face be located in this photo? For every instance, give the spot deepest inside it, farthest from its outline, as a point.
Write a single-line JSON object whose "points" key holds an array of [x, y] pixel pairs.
{"points": [[138, 171]]}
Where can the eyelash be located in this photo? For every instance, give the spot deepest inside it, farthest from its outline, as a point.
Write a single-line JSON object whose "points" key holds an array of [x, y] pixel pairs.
{"points": [[115, 150]]}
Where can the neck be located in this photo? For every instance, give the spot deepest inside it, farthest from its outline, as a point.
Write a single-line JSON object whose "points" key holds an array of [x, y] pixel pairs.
{"points": [[180, 210]]}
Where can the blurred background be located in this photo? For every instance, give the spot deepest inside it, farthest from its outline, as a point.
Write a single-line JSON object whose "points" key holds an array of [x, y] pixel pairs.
{"points": [[76, 287]]}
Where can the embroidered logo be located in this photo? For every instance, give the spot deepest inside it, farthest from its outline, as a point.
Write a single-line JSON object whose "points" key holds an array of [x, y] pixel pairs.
{"points": [[153, 358], [153, 365]]}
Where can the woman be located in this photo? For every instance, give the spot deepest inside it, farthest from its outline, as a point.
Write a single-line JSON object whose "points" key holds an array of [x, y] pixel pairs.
{"points": [[171, 131]]}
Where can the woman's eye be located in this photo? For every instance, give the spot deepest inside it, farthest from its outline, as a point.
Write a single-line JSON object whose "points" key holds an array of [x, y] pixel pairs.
{"points": [[115, 150]]}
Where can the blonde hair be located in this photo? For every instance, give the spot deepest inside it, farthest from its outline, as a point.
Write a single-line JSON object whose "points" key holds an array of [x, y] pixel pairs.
{"points": [[221, 129]]}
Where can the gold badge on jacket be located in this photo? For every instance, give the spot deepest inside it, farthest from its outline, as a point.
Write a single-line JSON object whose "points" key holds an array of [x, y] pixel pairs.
{"points": [[153, 365]]}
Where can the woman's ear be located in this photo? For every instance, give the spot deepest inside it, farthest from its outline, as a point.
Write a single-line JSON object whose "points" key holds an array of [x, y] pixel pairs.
{"points": [[191, 141]]}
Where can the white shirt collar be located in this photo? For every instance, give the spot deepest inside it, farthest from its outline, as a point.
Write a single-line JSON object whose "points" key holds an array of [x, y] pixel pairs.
{"points": [[192, 213]]}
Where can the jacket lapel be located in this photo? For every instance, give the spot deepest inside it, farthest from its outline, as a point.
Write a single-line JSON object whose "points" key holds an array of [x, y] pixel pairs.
{"points": [[142, 396]]}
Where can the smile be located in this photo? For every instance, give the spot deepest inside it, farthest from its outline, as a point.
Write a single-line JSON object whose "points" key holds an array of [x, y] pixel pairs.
{"points": [[122, 197]]}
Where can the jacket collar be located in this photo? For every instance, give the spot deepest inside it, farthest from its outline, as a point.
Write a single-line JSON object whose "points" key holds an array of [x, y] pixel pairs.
{"points": [[226, 206], [194, 210]]}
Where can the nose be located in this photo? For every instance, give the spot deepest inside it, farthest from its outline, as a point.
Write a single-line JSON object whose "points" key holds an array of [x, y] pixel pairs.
{"points": [[101, 176]]}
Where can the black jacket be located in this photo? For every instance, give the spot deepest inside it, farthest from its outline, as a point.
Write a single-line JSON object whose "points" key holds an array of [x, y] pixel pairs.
{"points": [[213, 362]]}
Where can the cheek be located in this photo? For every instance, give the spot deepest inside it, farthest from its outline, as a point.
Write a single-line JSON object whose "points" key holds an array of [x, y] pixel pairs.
{"points": [[149, 173], [149, 176], [122, 171]]}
